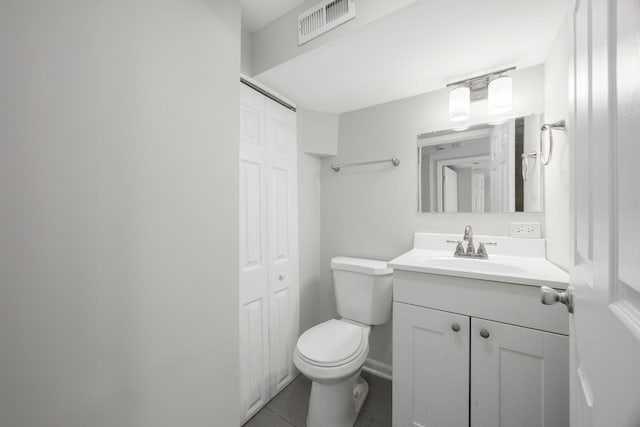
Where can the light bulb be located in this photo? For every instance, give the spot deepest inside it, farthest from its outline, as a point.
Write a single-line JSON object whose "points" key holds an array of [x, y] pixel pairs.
{"points": [[500, 95], [459, 102]]}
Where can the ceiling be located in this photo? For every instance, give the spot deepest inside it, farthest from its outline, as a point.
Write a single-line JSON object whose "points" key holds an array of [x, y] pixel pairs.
{"points": [[418, 49], [258, 13]]}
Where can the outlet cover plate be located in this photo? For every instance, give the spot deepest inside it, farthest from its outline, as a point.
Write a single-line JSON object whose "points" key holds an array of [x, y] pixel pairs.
{"points": [[526, 229]]}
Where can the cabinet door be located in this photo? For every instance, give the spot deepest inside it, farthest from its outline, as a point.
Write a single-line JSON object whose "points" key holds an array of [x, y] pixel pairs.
{"points": [[430, 367], [519, 376]]}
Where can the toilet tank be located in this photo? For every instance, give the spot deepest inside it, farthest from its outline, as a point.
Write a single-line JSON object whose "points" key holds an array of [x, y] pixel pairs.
{"points": [[363, 289]]}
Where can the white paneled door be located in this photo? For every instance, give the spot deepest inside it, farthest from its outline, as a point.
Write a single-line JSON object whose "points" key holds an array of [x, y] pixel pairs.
{"points": [[282, 226], [269, 288], [605, 276]]}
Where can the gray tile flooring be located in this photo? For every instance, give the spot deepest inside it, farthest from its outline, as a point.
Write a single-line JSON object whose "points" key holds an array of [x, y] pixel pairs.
{"points": [[289, 407]]}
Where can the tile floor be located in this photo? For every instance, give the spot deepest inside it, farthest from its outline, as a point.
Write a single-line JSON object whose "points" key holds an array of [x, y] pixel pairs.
{"points": [[289, 408]]}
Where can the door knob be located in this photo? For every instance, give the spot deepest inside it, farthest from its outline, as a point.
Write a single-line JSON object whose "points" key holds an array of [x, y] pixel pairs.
{"points": [[281, 277], [484, 333], [549, 296], [455, 327]]}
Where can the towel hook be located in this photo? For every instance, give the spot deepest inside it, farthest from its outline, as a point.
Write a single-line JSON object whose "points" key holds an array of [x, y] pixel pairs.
{"points": [[559, 125]]}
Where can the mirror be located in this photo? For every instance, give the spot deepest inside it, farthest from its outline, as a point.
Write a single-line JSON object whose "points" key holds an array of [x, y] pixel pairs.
{"points": [[484, 168]]}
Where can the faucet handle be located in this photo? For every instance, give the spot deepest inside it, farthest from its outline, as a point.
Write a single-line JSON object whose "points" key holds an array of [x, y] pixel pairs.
{"points": [[482, 251], [459, 248]]}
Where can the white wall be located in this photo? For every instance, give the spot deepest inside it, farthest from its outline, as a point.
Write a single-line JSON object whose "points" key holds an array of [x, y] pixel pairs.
{"points": [[309, 232], [372, 211], [318, 132], [246, 65], [119, 213], [556, 174]]}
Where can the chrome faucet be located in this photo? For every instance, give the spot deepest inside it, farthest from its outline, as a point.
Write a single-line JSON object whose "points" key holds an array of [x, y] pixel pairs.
{"points": [[471, 250], [468, 237]]}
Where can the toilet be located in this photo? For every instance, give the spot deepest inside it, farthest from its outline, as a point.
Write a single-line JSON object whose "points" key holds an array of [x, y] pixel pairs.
{"points": [[332, 353]]}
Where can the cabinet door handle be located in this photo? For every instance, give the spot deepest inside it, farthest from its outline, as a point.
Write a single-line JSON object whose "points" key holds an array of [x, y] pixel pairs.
{"points": [[484, 333], [455, 327]]}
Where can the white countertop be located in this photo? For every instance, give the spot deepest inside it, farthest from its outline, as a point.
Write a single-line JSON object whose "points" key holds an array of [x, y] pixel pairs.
{"points": [[518, 261]]}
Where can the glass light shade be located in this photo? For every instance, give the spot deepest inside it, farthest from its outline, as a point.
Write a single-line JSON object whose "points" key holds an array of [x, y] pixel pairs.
{"points": [[500, 95], [459, 104]]}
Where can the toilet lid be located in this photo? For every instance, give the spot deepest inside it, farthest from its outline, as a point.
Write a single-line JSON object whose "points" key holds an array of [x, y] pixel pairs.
{"points": [[331, 342]]}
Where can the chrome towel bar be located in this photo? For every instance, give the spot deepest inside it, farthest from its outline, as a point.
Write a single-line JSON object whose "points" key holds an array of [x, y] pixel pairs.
{"points": [[337, 168]]}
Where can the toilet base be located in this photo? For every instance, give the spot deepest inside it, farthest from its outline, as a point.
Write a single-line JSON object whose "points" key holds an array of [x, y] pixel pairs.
{"points": [[337, 404]]}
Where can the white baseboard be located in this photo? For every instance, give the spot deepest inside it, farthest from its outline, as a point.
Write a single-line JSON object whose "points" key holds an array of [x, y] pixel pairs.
{"points": [[378, 369]]}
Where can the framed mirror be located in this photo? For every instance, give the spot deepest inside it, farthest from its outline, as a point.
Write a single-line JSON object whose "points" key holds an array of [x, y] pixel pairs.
{"points": [[484, 168]]}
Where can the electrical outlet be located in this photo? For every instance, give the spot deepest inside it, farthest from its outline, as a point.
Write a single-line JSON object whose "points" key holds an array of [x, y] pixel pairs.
{"points": [[525, 229]]}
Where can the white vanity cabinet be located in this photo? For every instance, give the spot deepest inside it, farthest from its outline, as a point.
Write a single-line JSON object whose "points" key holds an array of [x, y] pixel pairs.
{"points": [[478, 353]]}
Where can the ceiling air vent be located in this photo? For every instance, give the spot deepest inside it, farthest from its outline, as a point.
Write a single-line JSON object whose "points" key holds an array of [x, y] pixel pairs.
{"points": [[324, 17]]}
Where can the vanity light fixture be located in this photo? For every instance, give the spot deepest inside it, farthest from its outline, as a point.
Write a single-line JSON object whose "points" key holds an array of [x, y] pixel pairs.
{"points": [[495, 86]]}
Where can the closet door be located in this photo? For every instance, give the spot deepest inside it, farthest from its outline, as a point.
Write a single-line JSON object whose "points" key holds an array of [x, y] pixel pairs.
{"points": [[519, 376], [254, 261], [282, 243]]}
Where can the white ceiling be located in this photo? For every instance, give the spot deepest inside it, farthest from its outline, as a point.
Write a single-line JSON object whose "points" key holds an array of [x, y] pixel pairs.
{"points": [[258, 13], [419, 49]]}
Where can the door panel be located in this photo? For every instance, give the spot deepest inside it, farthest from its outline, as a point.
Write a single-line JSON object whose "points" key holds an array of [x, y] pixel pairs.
{"points": [[477, 192], [450, 189], [431, 367], [251, 256], [254, 270], [502, 165], [519, 376], [283, 242], [583, 116], [253, 357], [605, 278], [282, 348]]}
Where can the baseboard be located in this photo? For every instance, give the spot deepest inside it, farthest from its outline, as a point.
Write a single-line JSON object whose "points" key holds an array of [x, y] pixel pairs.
{"points": [[378, 369]]}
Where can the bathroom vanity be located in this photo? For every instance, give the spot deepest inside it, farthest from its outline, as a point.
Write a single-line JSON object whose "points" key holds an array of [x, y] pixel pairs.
{"points": [[472, 343]]}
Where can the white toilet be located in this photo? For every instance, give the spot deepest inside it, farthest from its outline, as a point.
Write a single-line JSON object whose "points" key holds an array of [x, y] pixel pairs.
{"points": [[332, 353]]}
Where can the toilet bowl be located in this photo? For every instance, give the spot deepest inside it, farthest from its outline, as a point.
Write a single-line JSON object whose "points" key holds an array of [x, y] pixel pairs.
{"points": [[332, 353]]}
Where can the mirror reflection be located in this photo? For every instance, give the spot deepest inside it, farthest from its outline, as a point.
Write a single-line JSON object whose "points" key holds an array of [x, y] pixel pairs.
{"points": [[485, 168]]}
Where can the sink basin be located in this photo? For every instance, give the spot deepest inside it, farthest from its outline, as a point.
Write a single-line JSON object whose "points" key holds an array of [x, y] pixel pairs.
{"points": [[512, 260], [470, 265]]}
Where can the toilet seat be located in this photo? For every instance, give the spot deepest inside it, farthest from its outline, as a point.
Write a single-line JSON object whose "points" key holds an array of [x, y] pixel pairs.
{"points": [[332, 343]]}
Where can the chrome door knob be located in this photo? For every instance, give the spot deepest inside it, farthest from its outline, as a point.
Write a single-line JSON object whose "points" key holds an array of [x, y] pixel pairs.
{"points": [[484, 333], [549, 296], [455, 327]]}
